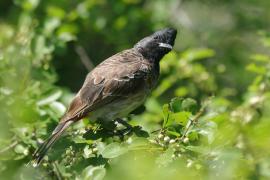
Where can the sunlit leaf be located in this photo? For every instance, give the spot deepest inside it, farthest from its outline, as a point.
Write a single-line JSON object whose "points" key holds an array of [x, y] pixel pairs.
{"points": [[113, 150], [49, 99], [58, 108], [198, 54], [20, 149], [56, 11], [256, 69], [94, 173], [260, 57], [166, 114], [182, 117]]}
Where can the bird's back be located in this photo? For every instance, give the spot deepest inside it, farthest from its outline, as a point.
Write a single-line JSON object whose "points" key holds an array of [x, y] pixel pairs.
{"points": [[122, 81]]}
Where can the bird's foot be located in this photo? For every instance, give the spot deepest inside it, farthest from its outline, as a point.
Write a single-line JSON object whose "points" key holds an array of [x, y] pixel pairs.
{"points": [[125, 131], [122, 122]]}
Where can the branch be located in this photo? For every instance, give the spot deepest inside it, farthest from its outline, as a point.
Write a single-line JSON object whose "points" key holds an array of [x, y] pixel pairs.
{"points": [[56, 171], [9, 147], [194, 120], [191, 122], [84, 57]]}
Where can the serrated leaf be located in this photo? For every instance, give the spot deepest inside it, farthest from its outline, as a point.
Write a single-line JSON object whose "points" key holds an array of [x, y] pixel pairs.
{"points": [[182, 117], [176, 104], [189, 105]]}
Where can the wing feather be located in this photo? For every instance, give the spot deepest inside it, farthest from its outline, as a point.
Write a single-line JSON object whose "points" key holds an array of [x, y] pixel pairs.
{"points": [[118, 76]]}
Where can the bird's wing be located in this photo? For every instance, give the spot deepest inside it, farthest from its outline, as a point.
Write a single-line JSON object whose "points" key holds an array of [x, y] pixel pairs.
{"points": [[118, 76]]}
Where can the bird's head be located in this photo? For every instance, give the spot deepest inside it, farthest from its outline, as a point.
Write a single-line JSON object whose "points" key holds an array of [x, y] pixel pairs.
{"points": [[155, 46]]}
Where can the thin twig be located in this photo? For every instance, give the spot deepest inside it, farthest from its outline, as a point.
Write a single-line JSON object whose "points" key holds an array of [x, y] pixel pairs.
{"points": [[9, 147], [84, 57], [155, 131], [192, 121], [57, 172]]}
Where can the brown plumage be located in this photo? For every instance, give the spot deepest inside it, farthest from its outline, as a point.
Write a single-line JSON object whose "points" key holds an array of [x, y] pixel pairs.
{"points": [[116, 86]]}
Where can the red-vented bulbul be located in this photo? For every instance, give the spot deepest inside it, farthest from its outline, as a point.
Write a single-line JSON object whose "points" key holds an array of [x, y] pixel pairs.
{"points": [[116, 86]]}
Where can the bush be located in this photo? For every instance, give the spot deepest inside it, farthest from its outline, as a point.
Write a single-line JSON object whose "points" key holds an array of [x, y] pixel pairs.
{"points": [[205, 120]]}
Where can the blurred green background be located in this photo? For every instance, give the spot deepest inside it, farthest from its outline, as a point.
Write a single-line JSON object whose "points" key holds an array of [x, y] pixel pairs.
{"points": [[208, 118]]}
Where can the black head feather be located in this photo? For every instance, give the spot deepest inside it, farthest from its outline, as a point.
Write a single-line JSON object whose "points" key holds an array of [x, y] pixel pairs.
{"points": [[155, 46]]}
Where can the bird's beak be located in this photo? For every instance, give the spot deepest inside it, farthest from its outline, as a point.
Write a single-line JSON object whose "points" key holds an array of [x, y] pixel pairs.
{"points": [[165, 45]]}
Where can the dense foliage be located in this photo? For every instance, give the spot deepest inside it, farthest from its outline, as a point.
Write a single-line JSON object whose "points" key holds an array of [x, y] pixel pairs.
{"points": [[207, 119]]}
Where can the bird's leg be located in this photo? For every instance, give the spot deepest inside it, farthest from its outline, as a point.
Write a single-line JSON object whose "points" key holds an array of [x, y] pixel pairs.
{"points": [[122, 132], [128, 128], [118, 127], [124, 123], [111, 128], [107, 126]]}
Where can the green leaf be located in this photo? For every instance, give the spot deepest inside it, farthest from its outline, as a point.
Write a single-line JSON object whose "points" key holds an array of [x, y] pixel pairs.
{"points": [[88, 152], [180, 104], [49, 99], [94, 173], [20, 149], [113, 150], [100, 146], [173, 133], [256, 69], [192, 136], [182, 91], [260, 57], [182, 117], [81, 140], [198, 54], [50, 25], [68, 28], [30, 4], [176, 104], [190, 105], [166, 114], [58, 108], [55, 11]]}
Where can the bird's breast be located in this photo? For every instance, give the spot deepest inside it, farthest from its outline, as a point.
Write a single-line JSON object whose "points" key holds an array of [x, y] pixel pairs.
{"points": [[151, 78], [120, 107]]}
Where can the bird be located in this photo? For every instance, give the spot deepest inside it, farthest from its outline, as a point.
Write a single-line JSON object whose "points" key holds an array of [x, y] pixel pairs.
{"points": [[116, 86]]}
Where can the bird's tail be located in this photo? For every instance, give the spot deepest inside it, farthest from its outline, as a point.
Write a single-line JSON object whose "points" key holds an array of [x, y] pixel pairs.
{"points": [[43, 149]]}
